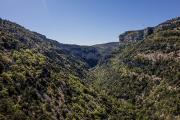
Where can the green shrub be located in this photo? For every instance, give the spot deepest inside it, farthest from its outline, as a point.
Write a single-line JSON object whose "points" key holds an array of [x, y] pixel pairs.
{"points": [[19, 115], [6, 77]]}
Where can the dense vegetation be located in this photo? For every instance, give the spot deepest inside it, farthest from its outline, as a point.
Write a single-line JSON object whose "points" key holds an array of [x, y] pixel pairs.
{"points": [[146, 74], [39, 80], [43, 79]]}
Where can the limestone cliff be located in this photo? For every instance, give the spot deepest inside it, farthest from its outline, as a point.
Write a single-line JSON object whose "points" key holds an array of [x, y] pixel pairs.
{"points": [[137, 35]]}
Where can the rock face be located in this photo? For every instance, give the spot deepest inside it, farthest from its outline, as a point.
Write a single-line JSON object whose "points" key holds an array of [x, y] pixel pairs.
{"points": [[138, 35], [133, 36]]}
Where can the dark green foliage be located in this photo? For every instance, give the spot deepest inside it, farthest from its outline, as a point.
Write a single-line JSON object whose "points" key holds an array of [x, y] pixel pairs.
{"points": [[1, 67]]}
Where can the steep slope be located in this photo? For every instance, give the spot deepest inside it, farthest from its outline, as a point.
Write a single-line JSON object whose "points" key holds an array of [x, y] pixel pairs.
{"points": [[43, 79], [88, 54], [106, 50], [92, 55], [136, 35], [146, 74], [39, 80]]}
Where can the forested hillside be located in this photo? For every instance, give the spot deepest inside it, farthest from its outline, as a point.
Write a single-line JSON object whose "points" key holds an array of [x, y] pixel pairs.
{"points": [[40, 80], [135, 79], [146, 74]]}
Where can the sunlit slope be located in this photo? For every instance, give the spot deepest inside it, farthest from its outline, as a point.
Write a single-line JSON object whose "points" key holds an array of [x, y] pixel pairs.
{"points": [[39, 80], [146, 73]]}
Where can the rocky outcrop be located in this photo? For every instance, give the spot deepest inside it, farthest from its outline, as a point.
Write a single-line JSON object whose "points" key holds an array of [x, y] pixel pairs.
{"points": [[173, 24], [133, 36], [138, 35]]}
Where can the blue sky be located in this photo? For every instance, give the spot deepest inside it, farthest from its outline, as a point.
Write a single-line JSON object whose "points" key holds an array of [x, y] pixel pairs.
{"points": [[87, 22]]}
